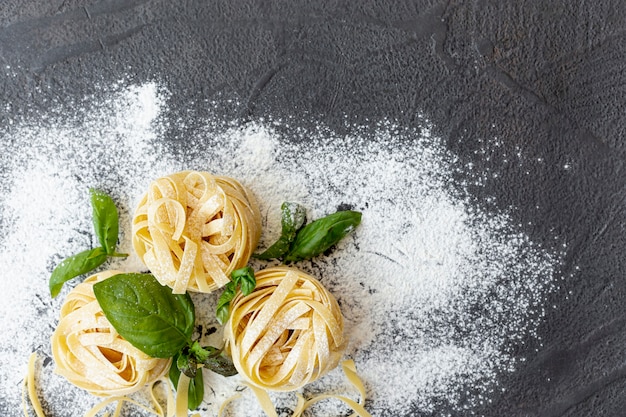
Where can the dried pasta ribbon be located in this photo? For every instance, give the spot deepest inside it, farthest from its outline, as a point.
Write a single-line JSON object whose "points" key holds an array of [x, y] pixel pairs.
{"points": [[302, 405], [286, 333], [192, 229], [349, 369], [90, 354]]}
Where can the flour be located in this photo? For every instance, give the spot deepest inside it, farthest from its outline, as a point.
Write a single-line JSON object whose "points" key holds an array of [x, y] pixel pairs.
{"points": [[436, 293]]}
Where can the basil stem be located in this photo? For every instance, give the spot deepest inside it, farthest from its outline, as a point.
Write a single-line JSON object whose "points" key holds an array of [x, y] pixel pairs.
{"points": [[147, 314], [74, 266], [320, 235], [293, 217]]}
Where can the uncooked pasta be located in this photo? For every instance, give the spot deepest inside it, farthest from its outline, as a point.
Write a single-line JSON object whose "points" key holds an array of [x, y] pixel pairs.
{"points": [[90, 354], [286, 333], [192, 229]]}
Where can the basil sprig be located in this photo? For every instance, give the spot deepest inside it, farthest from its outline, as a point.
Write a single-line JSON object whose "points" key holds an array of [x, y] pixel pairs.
{"points": [[242, 278], [160, 324], [106, 225], [192, 356], [298, 242]]}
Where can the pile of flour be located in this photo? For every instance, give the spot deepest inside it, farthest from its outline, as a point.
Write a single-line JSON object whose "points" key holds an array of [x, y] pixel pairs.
{"points": [[435, 292]]}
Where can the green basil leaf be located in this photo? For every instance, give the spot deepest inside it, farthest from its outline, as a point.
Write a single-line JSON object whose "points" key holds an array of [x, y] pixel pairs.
{"points": [[146, 313], [318, 236], [195, 392], [223, 303], [244, 277], [221, 365], [212, 359], [200, 353], [187, 364], [75, 265], [105, 220], [293, 217]]}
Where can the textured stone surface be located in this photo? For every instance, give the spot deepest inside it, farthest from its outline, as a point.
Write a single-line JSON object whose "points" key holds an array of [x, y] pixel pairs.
{"points": [[545, 79]]}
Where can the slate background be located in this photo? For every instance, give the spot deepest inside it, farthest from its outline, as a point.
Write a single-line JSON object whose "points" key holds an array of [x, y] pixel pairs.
{"points": [[495, 78]]}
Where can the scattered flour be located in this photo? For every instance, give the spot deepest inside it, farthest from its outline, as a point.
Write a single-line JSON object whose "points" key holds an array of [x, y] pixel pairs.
{"points": [[436, 293]]}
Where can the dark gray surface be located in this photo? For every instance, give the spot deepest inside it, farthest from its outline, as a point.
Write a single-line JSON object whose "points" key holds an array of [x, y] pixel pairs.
{"points": [[545, 78]]}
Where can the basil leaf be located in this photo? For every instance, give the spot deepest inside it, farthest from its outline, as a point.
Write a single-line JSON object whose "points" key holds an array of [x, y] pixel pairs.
{"points": [[195, 392], [146, 313], [293, 217], [75, 265], [318, 236], [187, 365], [220, 365], [244, 277], [223, 303], [105, 220]]}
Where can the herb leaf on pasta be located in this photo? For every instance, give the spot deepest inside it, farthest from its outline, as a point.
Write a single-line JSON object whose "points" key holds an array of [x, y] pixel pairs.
{"points": [[147, 314], [242, 278]]}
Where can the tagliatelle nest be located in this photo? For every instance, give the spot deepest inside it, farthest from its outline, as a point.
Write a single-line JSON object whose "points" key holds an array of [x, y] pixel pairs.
{"points": [[287, 332], [90, 354], [192, 229]]}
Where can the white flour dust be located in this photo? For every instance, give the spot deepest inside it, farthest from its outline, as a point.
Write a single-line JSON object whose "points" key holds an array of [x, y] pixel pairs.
{"points": [[436, 293]]}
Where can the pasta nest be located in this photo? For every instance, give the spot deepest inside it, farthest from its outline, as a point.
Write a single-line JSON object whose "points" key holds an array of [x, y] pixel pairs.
{"points": [[287, 332], [192, 229], [90, 354]]}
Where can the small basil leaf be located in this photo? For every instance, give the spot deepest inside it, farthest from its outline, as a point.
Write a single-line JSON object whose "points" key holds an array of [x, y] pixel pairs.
{"points": [[146, 313], [105, 220], [187, 365], [220, 365], [75, 265], [293, 217], [195, 392], [223, 303], [244, 277], [202, 353], [318, 236]]}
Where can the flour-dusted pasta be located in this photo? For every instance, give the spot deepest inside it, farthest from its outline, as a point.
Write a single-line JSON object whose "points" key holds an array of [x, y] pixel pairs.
{"points": [[287, 332], [192, 229], [90, 354]]}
